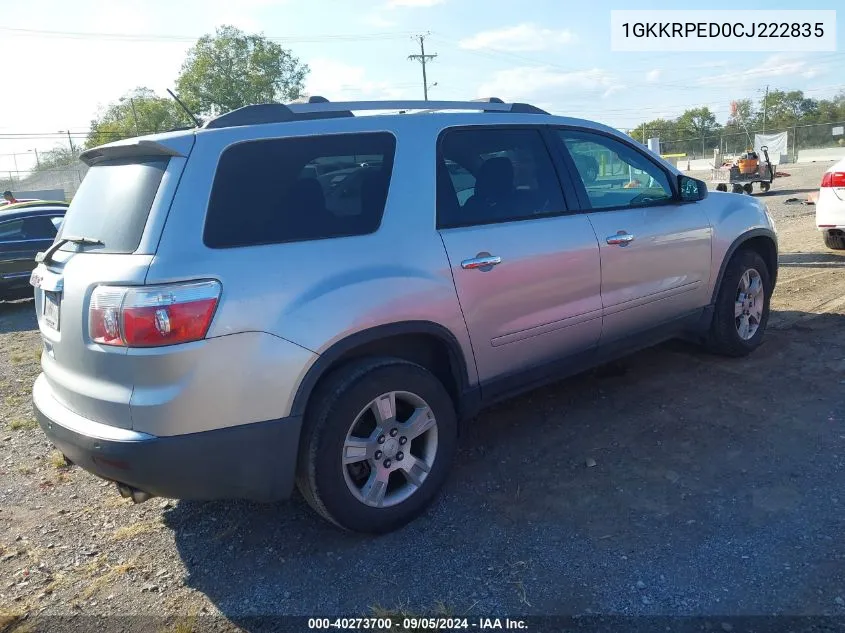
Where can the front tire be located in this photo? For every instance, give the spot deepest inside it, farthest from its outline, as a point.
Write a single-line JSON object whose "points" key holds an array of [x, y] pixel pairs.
{"points": [[834, 242], [377, 444], [741, 312]]}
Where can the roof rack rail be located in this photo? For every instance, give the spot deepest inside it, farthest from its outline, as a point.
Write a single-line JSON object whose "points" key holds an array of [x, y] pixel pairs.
{"points": [[317, 107], [311, 99]]}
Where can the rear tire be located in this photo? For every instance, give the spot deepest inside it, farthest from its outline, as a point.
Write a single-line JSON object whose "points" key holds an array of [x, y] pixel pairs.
{"points": [[381, 491], [834, 242], [740, 314], [736, 188], [721, 187], [747, 188]]}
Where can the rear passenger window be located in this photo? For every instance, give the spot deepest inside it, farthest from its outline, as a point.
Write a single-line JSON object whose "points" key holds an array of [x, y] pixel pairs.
{"points": [[495, 175], [39, 228], [11, 231], [296, 189]]}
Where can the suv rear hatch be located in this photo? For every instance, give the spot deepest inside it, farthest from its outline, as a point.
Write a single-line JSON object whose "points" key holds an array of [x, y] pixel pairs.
{"points": [[108, 238]]}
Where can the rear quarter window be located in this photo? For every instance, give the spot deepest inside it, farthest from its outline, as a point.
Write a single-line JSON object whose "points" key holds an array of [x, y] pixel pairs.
{"points": [[296, 189], [113, 203]]}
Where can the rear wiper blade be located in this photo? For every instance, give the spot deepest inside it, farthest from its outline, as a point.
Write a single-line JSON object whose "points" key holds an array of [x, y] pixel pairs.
{"points": [[47, 255]]}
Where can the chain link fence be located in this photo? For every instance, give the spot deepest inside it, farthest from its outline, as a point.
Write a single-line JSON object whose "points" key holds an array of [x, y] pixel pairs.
{"points": [[66, 178], [801, 137]]}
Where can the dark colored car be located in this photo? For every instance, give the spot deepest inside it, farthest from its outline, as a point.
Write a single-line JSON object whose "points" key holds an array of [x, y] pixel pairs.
{"points": [[25, 229]]}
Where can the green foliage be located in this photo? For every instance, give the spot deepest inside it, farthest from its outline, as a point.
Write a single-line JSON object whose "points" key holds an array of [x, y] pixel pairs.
{"points": [[661, 128], [231, 69], [698, 123], [746, 114], [696, 131], [784, 109], [56, 158], [138, 112]]}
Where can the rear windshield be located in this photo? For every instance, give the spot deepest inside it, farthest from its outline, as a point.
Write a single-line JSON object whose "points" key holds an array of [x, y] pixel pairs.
{"points": [[113, 203]]}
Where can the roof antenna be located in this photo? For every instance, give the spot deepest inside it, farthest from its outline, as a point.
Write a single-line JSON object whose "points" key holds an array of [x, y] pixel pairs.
{"points": [[185, 108]]}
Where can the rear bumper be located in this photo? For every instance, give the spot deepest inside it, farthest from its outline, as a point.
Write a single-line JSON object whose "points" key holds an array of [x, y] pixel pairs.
{"points": [[252, 461], [830, 209]]}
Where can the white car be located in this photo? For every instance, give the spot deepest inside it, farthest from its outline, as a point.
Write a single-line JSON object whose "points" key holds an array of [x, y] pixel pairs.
{"points": [[830, 207]]}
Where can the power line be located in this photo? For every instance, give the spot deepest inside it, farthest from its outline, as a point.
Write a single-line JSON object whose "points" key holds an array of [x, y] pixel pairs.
{"points": [[495, 54], [152, 37], [423, 58]]}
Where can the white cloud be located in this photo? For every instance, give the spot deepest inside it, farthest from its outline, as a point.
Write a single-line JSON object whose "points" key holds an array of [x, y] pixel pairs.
{"points": [[547, 85], [378, 20], [612, 90], [522, 37], [774, 66], [339, 81], [652, 76], [413, 3]]}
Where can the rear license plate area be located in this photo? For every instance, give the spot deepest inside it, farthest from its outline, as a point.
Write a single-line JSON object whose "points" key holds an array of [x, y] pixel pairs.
{"points": [[52, 309]]}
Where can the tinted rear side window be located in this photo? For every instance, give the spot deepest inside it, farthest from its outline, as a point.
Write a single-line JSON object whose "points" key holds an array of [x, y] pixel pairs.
{"points": [[113, 203], [39, 228], [490, 175], [296, 189]]}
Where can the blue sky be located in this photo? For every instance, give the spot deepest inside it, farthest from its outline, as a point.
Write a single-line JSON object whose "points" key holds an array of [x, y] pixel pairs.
{"points": [[555, 54]]}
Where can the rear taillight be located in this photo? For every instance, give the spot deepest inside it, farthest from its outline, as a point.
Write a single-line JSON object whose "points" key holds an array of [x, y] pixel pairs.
{"points": [[834, 179], [152, 316]]}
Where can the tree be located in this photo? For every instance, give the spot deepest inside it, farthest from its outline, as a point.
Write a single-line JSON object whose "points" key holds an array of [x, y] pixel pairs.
{"points": [[231, 69], [136, 113], [739, 129], [831, 110], [745, 115], [785, 109], [699, 123], [59, 156], [659, 127]]}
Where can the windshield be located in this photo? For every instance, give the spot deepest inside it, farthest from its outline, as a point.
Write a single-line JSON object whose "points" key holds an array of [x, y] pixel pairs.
{"points": [[113, 203]]}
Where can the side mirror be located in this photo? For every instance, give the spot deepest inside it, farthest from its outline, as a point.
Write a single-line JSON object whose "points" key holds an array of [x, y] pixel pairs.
{"points": [[691, 189]]}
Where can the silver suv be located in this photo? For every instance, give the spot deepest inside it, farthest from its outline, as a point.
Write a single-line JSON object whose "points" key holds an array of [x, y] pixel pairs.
{"points": [[296, 295]]}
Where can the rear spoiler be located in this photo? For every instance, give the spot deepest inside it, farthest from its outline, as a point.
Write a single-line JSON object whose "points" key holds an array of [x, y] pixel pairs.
{"points": [[135, 148]]}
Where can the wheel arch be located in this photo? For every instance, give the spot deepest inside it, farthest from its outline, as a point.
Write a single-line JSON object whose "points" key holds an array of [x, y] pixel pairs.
{"points": [[761, 241], [423, 342]]}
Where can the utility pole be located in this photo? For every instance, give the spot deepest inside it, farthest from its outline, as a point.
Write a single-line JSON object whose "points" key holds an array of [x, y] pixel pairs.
{"points": [[423, 58], [135, 116], [765, 108], [70, 142], [37, 160]]}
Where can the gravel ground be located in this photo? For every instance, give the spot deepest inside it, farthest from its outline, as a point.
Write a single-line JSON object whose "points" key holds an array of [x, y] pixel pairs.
{"points": [[714, 487]]}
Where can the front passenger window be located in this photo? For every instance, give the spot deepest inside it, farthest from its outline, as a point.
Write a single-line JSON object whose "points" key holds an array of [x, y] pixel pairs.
{"points": [[614, 174]]}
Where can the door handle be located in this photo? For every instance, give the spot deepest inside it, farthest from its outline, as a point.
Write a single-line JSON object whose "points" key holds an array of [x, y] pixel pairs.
{"points": [[622, 238], [484, 262]]}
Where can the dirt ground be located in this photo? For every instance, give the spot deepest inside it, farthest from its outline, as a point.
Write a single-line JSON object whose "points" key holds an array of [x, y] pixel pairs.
{"points": [[718, 489]]}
